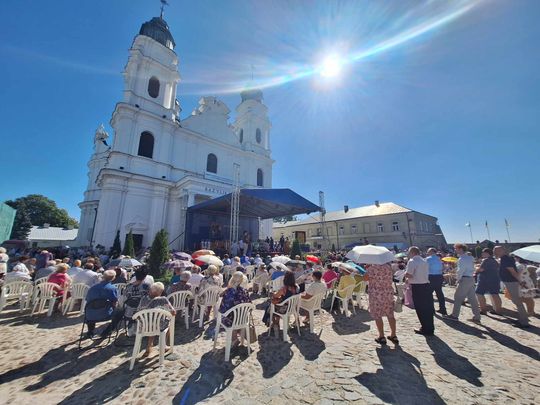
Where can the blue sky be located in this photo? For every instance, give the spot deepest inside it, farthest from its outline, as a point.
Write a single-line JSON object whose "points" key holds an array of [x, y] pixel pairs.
{"points": [[445, 123]]}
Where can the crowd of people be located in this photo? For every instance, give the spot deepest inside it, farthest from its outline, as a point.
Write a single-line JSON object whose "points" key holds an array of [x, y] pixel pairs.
{"points": [[421, 275]]}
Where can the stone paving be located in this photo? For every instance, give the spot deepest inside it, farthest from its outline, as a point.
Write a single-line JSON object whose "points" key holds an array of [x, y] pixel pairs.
{"points": [[464, 363]]}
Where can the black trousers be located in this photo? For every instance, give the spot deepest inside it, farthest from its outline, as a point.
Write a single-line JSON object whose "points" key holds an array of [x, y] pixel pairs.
{"points": [[436, 282], [423, 304]]}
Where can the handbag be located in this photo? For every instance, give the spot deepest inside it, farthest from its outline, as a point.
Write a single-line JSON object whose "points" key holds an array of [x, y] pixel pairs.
{"points": [[408, 299], [252, 331]]}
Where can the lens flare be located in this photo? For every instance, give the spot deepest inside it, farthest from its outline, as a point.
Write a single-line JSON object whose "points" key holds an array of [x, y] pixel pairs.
{"points": [[331, 66]]}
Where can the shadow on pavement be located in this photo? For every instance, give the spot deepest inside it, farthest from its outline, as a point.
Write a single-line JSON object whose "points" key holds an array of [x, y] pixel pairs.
{"points": [[400, 381], [274, 353], [211, 377], [512, 343], [452, 362]]}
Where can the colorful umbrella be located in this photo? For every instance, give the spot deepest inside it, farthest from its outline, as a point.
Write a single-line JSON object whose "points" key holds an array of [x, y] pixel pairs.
{"points": [[202, 252], [209, 259], [313, 259], [357, 267], [450, 259], [182, 256], [179, 263]]}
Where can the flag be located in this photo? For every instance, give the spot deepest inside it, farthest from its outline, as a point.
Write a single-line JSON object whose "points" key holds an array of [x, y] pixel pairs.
{"points": [[468, 224], [506, 223]]}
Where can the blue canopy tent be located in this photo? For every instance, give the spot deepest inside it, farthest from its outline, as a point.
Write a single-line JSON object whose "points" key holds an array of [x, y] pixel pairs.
{"points": [[210, 220]]}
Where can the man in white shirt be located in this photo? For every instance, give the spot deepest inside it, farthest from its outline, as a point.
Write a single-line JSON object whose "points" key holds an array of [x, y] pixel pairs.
{"points": [[87, 276], [313, 289], [75, 269], [417, 275], [196, 277], [257, 259], [465, 285]]}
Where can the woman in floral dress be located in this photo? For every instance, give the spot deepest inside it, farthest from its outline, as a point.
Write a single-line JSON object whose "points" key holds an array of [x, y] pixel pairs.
{"points": [[527, 291], [381, 299]]}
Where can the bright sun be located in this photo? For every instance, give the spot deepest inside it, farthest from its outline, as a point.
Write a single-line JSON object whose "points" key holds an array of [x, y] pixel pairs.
{"points": [[331, 66]]}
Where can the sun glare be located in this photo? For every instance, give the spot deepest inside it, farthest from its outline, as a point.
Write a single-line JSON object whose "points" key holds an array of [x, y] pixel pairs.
{"points": [[331, 66]]}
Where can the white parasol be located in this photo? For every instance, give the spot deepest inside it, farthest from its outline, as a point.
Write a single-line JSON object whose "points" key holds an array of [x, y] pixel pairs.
{"points": [[370, 254]]}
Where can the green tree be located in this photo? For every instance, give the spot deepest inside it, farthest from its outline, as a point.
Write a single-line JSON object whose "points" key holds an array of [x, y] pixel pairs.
{"points": [[21, 224], [116, 247], [159, 252], [296, 249], [129, 249], [42, 210]]}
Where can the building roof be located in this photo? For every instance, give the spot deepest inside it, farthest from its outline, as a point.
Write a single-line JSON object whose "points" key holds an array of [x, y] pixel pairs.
{"points": [[52, 233], [359, 212], [158, 30], [260, 202]]}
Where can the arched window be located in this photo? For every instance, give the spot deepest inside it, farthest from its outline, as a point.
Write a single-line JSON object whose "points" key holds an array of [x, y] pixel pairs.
{"points": [[153, 87], [260, 178], [211, 163], [258, 136], [241, 135], [146, 145]]}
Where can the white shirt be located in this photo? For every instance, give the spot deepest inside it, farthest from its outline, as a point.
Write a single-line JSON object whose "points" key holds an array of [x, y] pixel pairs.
{"points": [[257, 260], [465, 266], [73, 271], [315, 288], [195, 279], [419, 270], [87, 277]]}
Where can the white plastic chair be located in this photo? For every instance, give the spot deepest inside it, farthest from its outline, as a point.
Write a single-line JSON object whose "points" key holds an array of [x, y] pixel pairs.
{"points": [[260, 281], [292, 304], [16, 290], [241, 314], [45, 294], [347, 292], [359, 292], [250, 272], [311, 305], [78, 292], [149, 324], [207, 298], [179, 300], [277, 284]]}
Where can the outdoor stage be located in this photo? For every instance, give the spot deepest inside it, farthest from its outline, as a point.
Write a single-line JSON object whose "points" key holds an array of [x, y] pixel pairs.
{"points": [[208, 223]]}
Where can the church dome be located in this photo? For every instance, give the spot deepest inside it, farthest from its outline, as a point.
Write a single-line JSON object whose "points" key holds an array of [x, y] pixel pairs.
{"points": [[158, 30], [252, 94]]}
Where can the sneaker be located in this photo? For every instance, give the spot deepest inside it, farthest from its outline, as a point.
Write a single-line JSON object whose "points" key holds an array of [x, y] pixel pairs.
{"points": [[451, 317]]}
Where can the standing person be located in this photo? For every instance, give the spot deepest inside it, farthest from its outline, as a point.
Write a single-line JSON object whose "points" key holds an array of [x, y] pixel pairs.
{"points": [[465, 284], [417, 275], [510, 277], [381, 300], [527, 291], [488, 283], [436, 278]]}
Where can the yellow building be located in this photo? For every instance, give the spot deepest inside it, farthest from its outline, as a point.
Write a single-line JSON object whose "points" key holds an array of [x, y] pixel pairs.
{"points": [[385, 224]]}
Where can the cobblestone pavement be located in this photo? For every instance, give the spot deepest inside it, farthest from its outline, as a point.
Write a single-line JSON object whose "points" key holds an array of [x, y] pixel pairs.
{"points": [[464, 363]]}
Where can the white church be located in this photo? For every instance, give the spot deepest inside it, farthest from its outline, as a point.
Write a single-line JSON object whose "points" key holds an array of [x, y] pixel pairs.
{"points": [[157, 164]]}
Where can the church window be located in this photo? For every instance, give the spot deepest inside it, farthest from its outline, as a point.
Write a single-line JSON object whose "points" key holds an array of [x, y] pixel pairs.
{"points": [[146, 145], [211, 163], [241, 135], [260, 178], [258, 135], [153, 87]]}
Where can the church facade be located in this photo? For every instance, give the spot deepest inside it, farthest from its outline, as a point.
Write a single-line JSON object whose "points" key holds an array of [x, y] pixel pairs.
{"points": [[157, 164]]}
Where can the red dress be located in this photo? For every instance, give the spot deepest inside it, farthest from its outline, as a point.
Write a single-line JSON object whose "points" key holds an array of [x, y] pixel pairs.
{"points": [[381, 291], [61, 279]]}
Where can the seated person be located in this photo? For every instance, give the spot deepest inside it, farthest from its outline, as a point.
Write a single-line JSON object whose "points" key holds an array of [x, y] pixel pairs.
{"points": [[176, 276], [120, 277], [134, 292], [61, 279], [182, 284], [329, 275], [87, 276], [196, 276], [108, 293], [345, 281], [46, 271], [315, 288], [288, 290], [153, 300], [234, 294]]}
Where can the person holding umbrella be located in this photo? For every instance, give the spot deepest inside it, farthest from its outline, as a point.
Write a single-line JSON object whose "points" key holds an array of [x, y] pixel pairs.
{"points": [[417, 275], [381, 299]]}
